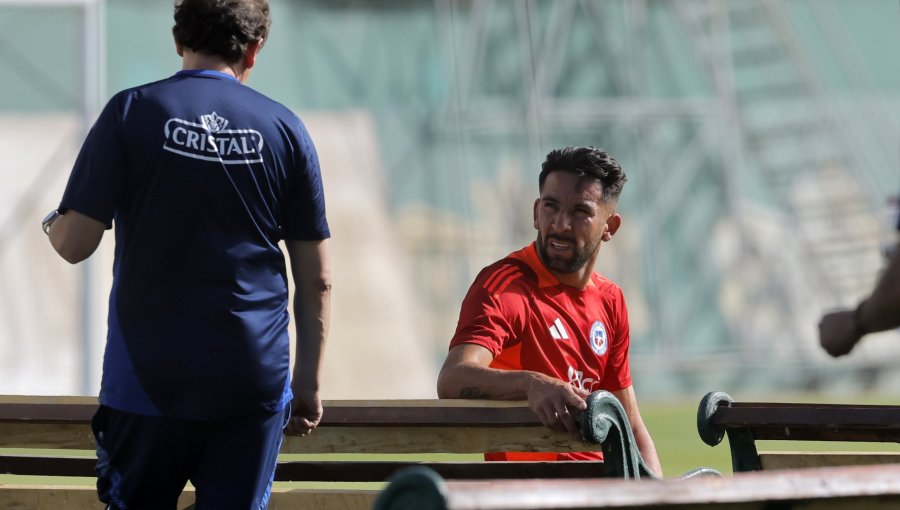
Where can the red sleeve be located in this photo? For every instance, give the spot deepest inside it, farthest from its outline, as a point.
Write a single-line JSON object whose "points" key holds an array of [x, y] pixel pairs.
{"points": [[487, 318], [617, 375]]}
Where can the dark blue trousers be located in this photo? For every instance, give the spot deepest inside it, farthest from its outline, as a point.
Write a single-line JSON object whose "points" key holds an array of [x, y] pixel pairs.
{"points": [[144, 462]]}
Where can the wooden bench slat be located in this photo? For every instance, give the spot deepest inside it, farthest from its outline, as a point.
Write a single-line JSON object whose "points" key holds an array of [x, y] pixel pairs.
{"points": [[47, 466], [809, 415], [79, 413], [868, 435], [430, 402], [333, 471], [859, 487], [807, 405], [374, 471], [862, 488], [745, 423], [73, 436], [48, 399], [382, 413], [429, 417], [85, 498], [812, 422], [49, 497], [797, 460], [413, 426], [361, 427], [327, 439]]}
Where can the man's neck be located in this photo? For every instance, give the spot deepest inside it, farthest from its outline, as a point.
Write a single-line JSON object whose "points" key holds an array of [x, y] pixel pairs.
{"points": [[580, 279], [195, 61]]}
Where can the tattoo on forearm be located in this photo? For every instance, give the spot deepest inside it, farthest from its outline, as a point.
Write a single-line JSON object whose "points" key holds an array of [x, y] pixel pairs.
{"points": [[472, 393]]}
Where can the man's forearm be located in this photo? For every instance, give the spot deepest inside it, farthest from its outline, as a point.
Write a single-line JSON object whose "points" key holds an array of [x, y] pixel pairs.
{"points": [[312, 310], [75, 236], [471, 381], [648, 449], [467, 374], [881, 311]]}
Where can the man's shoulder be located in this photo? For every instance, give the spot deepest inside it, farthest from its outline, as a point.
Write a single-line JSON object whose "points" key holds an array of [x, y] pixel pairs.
{"points": [[606, 286], [257, 101], [129, 94], [270, 104], [239, 105], [286, 117], [144, 86], [506, 274]]}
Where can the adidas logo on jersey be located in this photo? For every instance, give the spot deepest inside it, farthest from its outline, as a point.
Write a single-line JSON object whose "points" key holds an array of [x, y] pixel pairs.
{"points": [[558, 331]]}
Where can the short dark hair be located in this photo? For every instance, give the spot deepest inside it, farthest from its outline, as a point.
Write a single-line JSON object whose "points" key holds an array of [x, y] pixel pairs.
{"points": [[222, 28], [586, 162]]}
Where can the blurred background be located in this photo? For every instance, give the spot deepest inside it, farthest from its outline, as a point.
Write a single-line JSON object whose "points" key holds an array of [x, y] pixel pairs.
{"points": [[761, 141]]}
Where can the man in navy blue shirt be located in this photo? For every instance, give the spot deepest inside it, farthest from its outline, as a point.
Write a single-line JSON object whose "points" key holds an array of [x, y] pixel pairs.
{"points": [[203, 177]]}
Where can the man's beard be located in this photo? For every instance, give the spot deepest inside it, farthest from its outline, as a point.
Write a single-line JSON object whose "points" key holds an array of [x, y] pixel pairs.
{"points": [[565, 265]]}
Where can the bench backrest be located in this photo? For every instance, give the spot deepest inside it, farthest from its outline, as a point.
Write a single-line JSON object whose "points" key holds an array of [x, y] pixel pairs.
{"points": [[858, 487], [746, 422], [361, 427]]}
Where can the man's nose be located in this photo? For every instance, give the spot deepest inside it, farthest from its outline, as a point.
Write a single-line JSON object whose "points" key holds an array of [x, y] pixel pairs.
{"points": [[561, 222]]}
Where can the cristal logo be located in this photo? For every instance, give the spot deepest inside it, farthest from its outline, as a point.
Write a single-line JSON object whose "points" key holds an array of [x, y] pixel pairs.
{"points": [[213, 122], [210, 141], [577, 379]]}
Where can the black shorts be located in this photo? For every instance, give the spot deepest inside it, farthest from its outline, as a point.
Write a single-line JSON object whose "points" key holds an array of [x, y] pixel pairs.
{"points": [[144, 462]]}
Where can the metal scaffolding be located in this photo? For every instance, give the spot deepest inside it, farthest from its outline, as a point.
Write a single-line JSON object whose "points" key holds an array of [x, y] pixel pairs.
{"points": [[756, 190], [764, 109]]}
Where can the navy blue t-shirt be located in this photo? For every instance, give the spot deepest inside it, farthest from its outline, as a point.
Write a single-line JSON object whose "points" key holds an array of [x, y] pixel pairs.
{"points": [[203, 177]]}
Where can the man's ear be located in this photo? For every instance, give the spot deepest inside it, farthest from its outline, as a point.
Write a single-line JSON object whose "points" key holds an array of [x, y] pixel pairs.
{"points": [[178, 48], [612, 225], [253, 48], [537, 202]]}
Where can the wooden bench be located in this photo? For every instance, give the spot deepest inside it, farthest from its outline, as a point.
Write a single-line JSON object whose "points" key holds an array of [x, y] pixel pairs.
{"points": [[857, 487], [746, 422], [422, 427]]}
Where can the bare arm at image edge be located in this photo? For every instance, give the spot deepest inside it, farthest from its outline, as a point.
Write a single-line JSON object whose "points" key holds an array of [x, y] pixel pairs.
{"points": [[641, 434], [312, 307], [841, 330]]}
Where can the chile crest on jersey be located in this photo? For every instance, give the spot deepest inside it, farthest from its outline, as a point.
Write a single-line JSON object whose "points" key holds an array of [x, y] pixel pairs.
{"points": [[599, 338]]}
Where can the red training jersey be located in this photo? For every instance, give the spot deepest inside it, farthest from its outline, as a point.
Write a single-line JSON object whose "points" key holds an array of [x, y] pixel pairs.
{"points": [[520, 312]]}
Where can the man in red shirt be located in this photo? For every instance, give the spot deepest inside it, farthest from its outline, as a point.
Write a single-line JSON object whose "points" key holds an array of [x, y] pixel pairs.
{"points": [[541, 325]]}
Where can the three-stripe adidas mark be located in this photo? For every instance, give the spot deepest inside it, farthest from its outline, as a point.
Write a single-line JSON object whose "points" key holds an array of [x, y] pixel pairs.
{"points": [[558, 331], [502, 277]]}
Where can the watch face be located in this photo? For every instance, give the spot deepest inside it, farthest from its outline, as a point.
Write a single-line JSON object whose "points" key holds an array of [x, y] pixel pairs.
{"points": [[48, 220], [50, 215]]}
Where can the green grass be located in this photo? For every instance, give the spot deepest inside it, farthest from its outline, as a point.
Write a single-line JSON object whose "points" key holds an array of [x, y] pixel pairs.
{"points": [[672, 425]]}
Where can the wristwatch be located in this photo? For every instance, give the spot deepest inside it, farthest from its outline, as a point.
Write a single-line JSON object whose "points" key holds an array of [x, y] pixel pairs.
{"points": [[49, 219]]}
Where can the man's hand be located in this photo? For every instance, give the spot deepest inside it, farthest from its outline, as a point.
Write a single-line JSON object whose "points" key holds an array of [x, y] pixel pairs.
{"points": [[306, 412], [838, 332], [550, 399]]}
